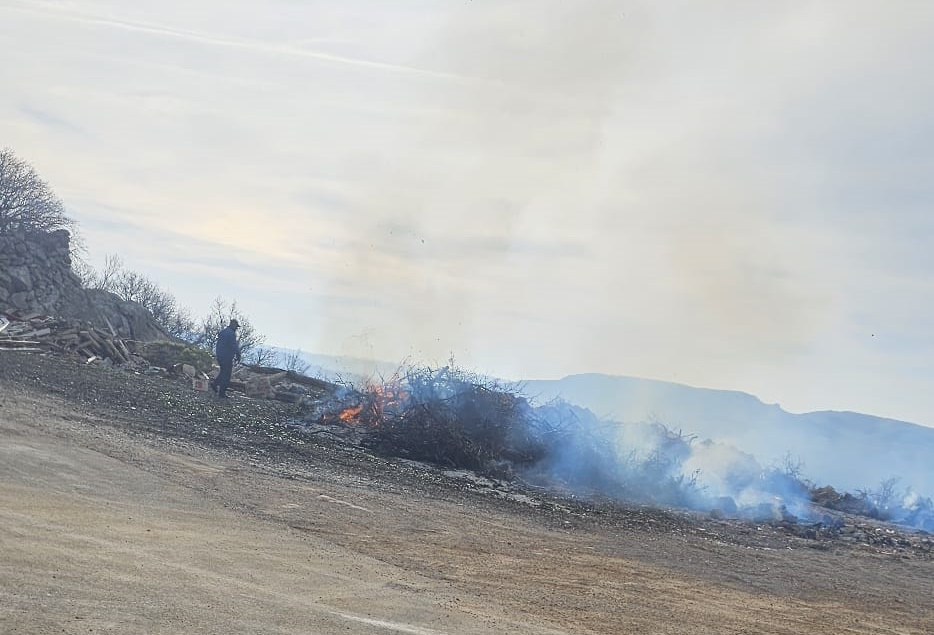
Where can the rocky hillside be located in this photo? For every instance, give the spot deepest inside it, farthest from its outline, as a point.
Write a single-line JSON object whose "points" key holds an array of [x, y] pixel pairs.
{"points": [[36, 277]]}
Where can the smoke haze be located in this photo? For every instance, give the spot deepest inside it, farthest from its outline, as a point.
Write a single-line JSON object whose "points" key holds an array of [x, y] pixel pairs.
{"points": [[729, 195]]}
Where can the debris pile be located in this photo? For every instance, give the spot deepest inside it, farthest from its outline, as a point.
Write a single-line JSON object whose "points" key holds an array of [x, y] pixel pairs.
{"points": [[458, 420], [442, 416], [907, 509], [34, 332], [261, 382]]}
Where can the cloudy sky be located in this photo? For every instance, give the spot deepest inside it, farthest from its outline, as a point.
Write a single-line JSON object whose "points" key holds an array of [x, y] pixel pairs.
{"points": [[726, 194]]}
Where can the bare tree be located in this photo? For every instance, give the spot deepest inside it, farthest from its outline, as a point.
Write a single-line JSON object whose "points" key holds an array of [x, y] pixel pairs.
{"points": [[261, 356], [84, 270], [218, 317], [174, 319], [887, 494], [179, 323], [295, 362], [104, 279], [792, 467], [131, 286], [26, 201]]}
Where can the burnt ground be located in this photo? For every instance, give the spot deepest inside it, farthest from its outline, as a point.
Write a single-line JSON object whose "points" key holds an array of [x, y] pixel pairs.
{"points": [[133, 503]]}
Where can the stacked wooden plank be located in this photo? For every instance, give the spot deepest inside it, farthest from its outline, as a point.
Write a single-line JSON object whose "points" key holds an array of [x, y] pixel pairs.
{"points": [[22, 333], [35, 333]]}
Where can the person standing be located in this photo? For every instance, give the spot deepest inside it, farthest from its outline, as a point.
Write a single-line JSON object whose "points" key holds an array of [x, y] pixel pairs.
{"points": [[227, 350]]}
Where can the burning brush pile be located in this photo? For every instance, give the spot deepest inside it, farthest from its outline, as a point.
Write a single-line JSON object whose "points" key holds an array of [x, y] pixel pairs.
{"points": [[458, 420], [442, 416]]}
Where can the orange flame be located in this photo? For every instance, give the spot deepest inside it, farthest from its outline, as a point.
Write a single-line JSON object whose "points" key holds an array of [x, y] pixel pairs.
{"points": [[350, 414], [389, 395], [378, 399]]}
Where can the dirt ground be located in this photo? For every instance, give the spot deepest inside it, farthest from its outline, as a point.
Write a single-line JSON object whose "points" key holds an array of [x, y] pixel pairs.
{"points": [[133, 506]]}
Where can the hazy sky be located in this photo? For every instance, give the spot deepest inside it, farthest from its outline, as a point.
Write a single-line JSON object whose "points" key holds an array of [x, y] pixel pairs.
{"points": [[725, 194]]}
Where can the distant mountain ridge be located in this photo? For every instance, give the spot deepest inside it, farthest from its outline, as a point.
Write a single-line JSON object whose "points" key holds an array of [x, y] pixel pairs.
{"points": [[845, 449]]}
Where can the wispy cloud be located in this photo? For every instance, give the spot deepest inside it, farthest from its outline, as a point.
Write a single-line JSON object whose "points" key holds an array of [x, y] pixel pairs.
{"points": [[50, 11]]}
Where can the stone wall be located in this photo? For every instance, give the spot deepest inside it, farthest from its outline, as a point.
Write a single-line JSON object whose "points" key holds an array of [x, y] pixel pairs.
{"points": [[35, 271], [36, 276]]}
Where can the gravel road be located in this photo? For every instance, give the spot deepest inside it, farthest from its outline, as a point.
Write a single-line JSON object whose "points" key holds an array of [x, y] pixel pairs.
{"points": [[135, 504]]}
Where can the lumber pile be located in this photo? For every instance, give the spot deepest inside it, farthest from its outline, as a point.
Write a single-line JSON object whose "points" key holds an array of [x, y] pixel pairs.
{"points": [[35, 332]]}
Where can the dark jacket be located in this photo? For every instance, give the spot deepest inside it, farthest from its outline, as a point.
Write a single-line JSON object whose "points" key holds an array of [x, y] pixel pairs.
{"points": [[227, 347]]}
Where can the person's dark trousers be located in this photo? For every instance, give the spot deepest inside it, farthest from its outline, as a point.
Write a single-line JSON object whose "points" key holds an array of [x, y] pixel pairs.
{"points": [[223, 377]]}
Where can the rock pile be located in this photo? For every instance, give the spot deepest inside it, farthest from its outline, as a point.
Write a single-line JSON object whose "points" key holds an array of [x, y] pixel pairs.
{"points": [[261, 382]]}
